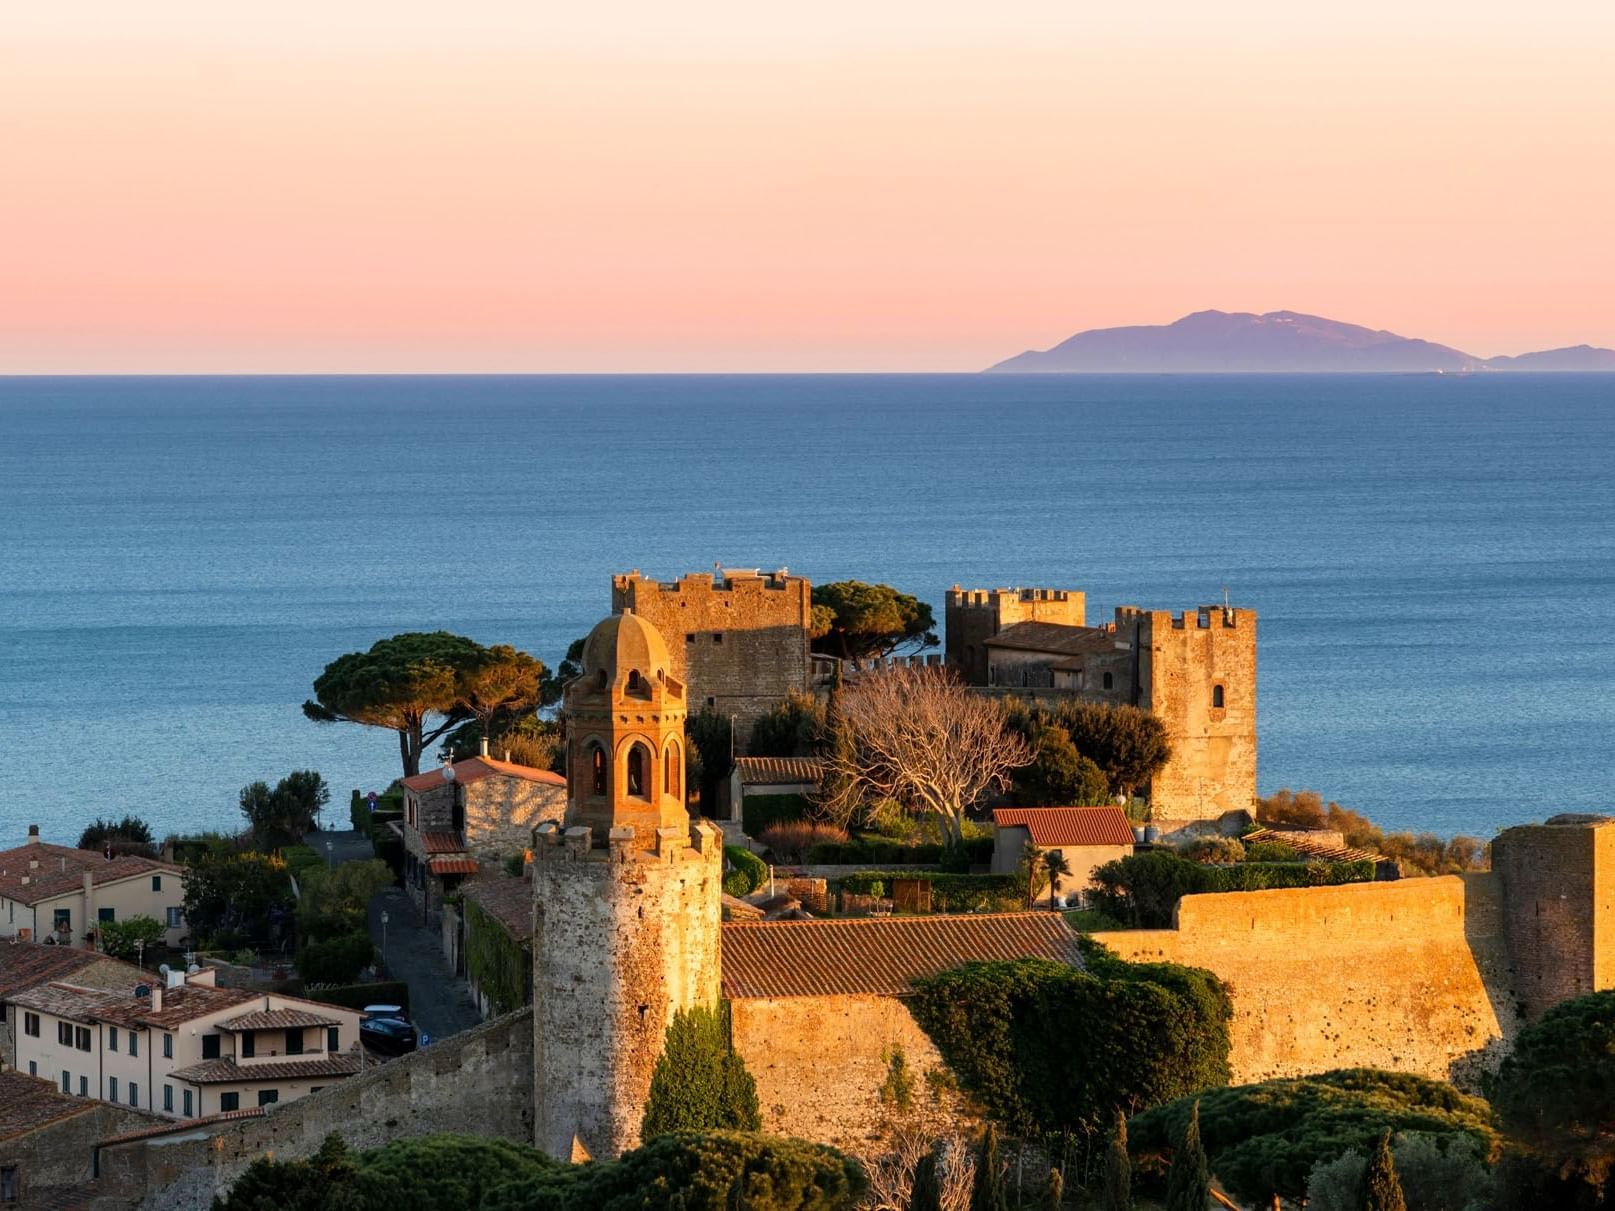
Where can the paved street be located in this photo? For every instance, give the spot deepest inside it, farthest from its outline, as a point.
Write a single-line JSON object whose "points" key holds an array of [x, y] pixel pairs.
{"points": [[439, 1003]]}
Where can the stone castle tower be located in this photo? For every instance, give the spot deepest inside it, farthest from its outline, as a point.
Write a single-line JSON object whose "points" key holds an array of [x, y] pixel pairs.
{"points": [[973, 616], [626, 898]]}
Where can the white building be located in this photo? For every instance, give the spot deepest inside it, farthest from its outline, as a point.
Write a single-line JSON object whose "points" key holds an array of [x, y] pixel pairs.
{"points": [[55, 893]]}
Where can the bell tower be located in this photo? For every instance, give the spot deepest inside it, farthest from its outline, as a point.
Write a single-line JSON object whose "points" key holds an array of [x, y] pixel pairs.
{"points": [[626, 898]]}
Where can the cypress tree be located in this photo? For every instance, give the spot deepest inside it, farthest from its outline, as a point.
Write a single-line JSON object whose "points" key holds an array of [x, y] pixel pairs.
{"points": [[989, 1192], [1383, 1187], [1188, 1184], [926, 1192], [1054, 1192], [1118, 1169]]}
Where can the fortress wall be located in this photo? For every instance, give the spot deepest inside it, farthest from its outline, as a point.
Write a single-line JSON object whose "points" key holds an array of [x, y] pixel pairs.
{"points": [[1410, 975], [820, 1064]]}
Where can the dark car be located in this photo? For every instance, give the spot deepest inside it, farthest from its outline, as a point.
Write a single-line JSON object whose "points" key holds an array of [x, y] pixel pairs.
{"points": [[389, 1036]]}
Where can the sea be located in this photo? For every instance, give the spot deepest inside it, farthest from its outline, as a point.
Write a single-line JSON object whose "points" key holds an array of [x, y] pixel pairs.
{"points": [[1432, 557]]}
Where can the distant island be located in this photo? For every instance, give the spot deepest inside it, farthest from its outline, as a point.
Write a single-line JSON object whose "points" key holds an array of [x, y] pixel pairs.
{"points": [[1278, 342]]}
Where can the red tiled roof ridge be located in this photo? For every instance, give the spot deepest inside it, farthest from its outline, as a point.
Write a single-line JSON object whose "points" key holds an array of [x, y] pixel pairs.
{"points": [[472, 769], [168, 1126], [915, 918], [1058, 826]]}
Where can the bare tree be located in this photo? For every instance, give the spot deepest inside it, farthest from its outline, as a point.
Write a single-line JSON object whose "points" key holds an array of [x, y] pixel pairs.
{"points": [[918, 736], [891, 1176]]}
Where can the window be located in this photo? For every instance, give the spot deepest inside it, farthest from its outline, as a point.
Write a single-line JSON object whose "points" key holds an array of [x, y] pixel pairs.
{"points": [[597, 763], [689, 636], [670, 775], [33, 1068], [315, 1088], [134, 1043], [63, 920], [112, 1038], [268, 1097], [2, 1011], [229, 1101], [168, 1046], [157, 883], [176, 918], [30, 1024], [84, 1086], [134, 1094], [294, 1042], [210, 1046], [1216, 696], [67, 1081], [249, 1044], [1110, 681], [10, 1185], [717, 636], [189, 1113], [168, 1098], [333, 1039], [81, 1037], [636, 771], [106, 914], [64, 1033], [112, 1088], [636, 683]]}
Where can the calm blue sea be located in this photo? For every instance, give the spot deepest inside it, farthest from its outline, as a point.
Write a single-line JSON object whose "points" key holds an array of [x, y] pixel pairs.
{"points": [[1433, 558]]}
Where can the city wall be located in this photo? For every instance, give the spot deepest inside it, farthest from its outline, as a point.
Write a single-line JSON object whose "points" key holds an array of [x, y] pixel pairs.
{"points": [[1411, 975]]}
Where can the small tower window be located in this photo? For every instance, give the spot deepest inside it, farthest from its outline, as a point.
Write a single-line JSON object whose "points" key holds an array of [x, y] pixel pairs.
{"points": [[1110, 681], [670, 775], [636, 771], [597, 763], [1216, 696], [636, 683]]}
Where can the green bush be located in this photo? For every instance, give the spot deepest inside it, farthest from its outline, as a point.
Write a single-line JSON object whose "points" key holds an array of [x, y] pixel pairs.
{"points": [[949, 892], [873, 849], [699, 1083], [1437, 1174], [1265, 1139], [498, 965], [747, 872], [759, 813], [1048, 1047], [1271, 851], [1146, 887], [389, 806], [301, 858], [357, 996], [129, 938], [336, 961]]}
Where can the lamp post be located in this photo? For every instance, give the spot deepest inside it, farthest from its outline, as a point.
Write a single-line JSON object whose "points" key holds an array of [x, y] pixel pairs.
{"points": [[330, 854], [384, 937], [140, 953]]}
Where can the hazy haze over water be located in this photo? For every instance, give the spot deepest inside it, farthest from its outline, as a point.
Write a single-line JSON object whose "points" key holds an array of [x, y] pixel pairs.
{"points": [[1432, 558]]}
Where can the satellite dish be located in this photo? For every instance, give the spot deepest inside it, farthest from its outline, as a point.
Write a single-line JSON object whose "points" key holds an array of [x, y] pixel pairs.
{"points": [[162, 969], [448, 773]]}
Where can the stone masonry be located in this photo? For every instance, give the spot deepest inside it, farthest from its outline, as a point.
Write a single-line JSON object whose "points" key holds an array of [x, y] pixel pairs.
{"points": [[973, 616]]}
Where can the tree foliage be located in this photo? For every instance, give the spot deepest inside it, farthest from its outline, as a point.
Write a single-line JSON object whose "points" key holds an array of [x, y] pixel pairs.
{"points": [[234, 898], [1144, 888], [279, 816], [1435, 1173], [1188, 1183], [989, 1192], [710, 754], [1049, 1047], [1382, 1190], [1264, 1139], [129, 938], [336, 900], [796, 727], [1118, 1189], [859, 622], [338, 960], [130, 835], [700, 1083], [1059, 776], [747, 871], [1127, 745]]}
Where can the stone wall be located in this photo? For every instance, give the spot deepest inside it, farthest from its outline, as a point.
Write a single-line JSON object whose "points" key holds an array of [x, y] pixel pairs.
{"points": [[501, 813], [821, 1064], [478, 1083], [62, 1153], [1411, 975], [973, 616], [740, 644]]}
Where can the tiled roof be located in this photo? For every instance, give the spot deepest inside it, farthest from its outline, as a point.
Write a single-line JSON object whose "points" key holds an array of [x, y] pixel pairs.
{"points": [[28, 1103], [777, 771], [62, 870], [190, 1124], [227, 1071], [1060, 826], [508, 900], [878, 955], [25, 964], [72, 1002], [442, 843], [475, 768], [276, 1019], [180, 1005], [452, 866], [1053, 637], [1311, 847]]}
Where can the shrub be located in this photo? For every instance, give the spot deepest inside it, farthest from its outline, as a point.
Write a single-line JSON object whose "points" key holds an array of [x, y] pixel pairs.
{"points": [[1265, 1139], [699, 1083], [130, 835], [1146, 887], [301, 858], [949, 892], [129, 938], [759, 813], [1437, 1174], [796, 727], [789, 843], [1224, 850], [499, 965], [336, 961], [747, 872], [1426, 852], [1271, 851], [1049, 1047]]}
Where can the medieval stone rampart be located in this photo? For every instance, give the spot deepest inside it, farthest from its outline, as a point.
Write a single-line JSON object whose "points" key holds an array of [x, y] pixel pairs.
{"points": [[973, 616]]}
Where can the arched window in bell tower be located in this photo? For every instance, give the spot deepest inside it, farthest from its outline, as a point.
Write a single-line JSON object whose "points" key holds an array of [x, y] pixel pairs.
{"points": [[671, 780], [638, 771], [597, 768]]}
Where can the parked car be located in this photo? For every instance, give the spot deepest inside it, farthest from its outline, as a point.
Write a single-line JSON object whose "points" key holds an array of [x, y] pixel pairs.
{"points": [[387, 1034]]}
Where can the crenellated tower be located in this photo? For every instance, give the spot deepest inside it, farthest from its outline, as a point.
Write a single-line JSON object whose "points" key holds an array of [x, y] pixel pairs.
{"points": [[626, 898]]}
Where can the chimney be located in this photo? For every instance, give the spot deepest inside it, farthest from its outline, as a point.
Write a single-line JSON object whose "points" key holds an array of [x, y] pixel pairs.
{"points": [[33, 834], [485, 746], [157, 995]]}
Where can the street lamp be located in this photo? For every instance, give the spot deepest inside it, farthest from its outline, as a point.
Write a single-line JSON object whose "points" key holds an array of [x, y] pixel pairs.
{"points": [[384, 937], [330, 854], [140, 953]]}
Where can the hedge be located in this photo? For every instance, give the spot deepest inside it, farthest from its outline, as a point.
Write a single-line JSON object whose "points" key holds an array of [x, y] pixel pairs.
{"points": [[748, 874], [949, 892], [357, 996], [336, 961], [758, 813], [299, 858], [389, 806], [1145, 889], [875, 849]]}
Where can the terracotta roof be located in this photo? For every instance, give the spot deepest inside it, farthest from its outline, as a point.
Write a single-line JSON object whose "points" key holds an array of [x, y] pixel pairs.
{"points": [[1312, 847], [190, 1124], [508, 900], [1053, 637], [1061, 826], [452, 866], [180, 1005], [777, 771], [28, 1103], [474, 768], [227, 1071], [25, 964], [61, 869], [71, 1002], [878, 955], [442, 843], [277, 1019]]}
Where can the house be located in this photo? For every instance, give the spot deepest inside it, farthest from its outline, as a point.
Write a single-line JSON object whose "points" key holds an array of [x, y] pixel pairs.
{"points": [[55, 893], [180, 1047], [47, 1141], [25, 965], [765, 776], [474, 811], [1087, 836]]}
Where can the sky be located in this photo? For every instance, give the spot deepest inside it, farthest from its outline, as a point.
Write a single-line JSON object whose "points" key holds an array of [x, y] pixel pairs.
{"points": [[723, 185]]}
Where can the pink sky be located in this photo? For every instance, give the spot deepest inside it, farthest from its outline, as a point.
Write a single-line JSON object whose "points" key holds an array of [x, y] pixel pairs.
{"points": [[515, 185]]}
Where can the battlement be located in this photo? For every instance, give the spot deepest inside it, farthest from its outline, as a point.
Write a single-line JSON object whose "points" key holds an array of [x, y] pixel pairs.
{"points": [[959, 598], [1207, 616], [723, 580], [553, 843]]}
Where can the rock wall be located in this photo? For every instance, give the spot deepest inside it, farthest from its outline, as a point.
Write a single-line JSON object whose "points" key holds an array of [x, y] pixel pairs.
{"points": [[1411, 975], [478, 1083]]}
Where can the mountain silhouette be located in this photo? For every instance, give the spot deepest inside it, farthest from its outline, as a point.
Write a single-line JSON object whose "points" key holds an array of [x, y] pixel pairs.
{"points": [[1278, 342]]}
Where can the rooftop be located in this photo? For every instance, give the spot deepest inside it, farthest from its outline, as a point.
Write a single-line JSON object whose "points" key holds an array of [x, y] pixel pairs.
{"points": [[507, 899], [40, 871], [473, 769], [443, 843], [1053, 637], [27, 964], [28, 1103], [190, 1124], [878, 956], [778, 771], [276, 1019], [1311, 846], [1054, 827], [227, 1072]]}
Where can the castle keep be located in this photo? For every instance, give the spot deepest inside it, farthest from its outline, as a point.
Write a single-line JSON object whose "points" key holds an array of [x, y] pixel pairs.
{"points": [[737, 639]]}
